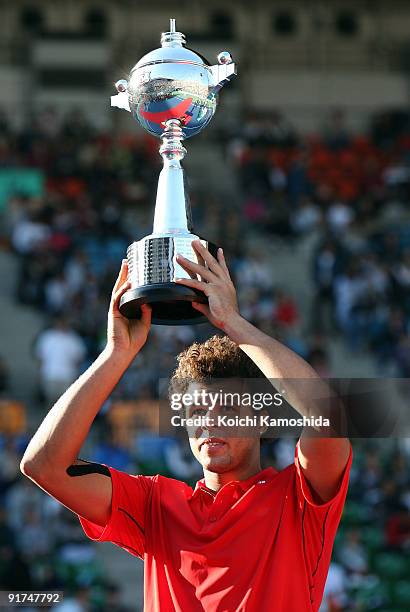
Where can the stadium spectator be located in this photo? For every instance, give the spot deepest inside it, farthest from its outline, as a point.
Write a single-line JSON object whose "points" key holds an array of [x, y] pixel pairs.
{"points": [[335, 595], [79, 601], [335, 132], [60, 351], [353, 553], [33, 541]]}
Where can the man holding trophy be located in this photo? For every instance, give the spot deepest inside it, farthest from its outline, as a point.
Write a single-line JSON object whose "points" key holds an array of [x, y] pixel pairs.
{"points": [[244, 538]]}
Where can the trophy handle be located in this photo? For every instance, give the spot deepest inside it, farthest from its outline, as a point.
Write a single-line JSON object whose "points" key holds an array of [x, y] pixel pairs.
{"points": [[121, 99], [223, 72]]}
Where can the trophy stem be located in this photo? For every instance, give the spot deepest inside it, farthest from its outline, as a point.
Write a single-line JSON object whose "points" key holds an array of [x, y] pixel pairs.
{"points": [[172, 207]]}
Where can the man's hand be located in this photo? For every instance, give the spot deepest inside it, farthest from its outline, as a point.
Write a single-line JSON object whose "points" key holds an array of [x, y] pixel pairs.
{"points": [[215, 282], [125, 335]]}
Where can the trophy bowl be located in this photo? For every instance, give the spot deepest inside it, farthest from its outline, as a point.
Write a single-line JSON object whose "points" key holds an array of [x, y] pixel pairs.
{"points": [[180, 88]]}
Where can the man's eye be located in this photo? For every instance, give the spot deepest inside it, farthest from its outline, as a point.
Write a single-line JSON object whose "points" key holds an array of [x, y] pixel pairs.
{"points": [[198, 411], [229, 408]]}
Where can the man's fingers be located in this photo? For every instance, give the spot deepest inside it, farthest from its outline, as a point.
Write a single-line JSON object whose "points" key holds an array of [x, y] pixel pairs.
{"points": [[117, 295], [204, 308], [146, 313], [207, 257], [190, 282], [122, 276], [192, 274], [201, 261], [222, 261], [191, 266]]}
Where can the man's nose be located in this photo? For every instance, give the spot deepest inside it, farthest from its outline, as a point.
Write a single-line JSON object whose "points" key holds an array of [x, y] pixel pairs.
{"points": [[208, 429]]}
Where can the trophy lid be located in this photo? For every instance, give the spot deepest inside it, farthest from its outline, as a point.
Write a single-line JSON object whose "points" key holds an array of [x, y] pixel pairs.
{"points": [[172, 50], [172, 38]]}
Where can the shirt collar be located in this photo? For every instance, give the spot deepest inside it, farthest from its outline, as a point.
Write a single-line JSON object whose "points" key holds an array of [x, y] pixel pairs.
{"points": [[243, 485]]}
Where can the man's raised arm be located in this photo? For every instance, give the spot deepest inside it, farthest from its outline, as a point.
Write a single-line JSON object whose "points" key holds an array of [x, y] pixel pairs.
{"points": [[51, 458], [323, 460]]}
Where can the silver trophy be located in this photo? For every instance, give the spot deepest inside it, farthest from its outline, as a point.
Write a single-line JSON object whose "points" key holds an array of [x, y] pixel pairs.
{"points": [[173, 93]]}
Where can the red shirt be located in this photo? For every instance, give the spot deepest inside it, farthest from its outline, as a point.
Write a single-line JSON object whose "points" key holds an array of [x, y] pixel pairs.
{"points": [[260, 544]]}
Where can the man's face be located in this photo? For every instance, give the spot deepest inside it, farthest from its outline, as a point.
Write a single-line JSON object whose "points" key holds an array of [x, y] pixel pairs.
{"points": [[217, 447]]}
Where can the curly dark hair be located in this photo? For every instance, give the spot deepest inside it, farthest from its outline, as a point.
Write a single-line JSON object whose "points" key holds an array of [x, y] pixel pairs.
{"points": [[217, 357]]}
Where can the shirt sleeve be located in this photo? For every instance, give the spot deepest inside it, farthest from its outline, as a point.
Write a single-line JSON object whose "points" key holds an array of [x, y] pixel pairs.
{"points": [[126, 525], [319, 522]]}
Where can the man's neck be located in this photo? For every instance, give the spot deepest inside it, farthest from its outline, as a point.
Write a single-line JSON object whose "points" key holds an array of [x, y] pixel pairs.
{"points": [[215, 481]]}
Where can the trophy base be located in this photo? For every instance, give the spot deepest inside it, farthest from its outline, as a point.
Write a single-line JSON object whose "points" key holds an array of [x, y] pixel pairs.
{"points": [[152, 271], [171, 303]]}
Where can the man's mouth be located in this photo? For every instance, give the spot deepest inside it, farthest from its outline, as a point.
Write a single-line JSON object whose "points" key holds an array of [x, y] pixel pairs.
{"points": [[212, 443]]}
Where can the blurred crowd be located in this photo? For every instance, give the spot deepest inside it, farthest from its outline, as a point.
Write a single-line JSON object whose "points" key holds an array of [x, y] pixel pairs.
{"points": [[347, 194], [351, 192]]}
